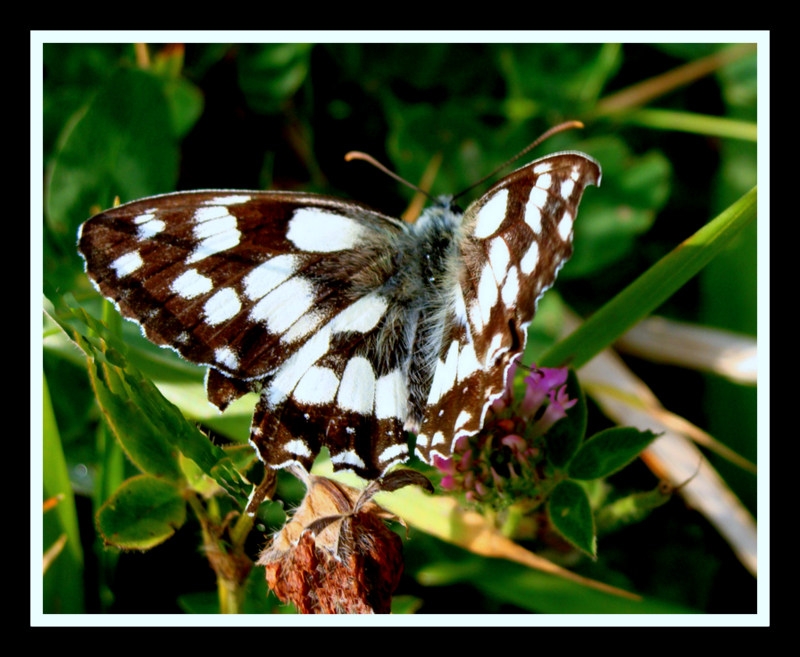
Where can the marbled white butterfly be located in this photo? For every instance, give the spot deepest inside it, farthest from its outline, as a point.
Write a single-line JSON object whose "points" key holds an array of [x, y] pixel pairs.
{"points": [[353, 327]]}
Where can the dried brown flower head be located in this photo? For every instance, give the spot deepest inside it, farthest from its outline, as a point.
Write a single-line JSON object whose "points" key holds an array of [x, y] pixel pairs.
{"points": [[336, 555]]}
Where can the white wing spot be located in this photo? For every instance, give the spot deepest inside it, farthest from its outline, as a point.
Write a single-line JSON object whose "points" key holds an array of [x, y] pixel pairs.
{"points": [[361, 316], [499, 257], [459, 306], [268, 275], [444, 376], [567, 187], [148, 226], [212, 219], [225, 356], [542, 167], [348, 457], [530, 259], [126, 264], [487, 293], [303, 327], [544, 181], [438, 438], [491, 215], [510, 290], [222, 306], [191, 284], [533, 212], [462, 419], [317, 386], [294, 367], [284, 305], [397, 452], [467, 362], [495, 349], [565, 226], [217, 231], [391, 396], [357, 389], [475, 314], [233, 199], [298, 448], [312, 229]]}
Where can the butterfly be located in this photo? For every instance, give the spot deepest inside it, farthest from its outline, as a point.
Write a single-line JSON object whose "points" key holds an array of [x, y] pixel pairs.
{"points": [[353, 327]]}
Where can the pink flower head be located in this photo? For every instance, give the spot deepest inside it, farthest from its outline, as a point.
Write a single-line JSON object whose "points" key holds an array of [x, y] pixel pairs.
{"points": [[538, 385], [500, 462]]}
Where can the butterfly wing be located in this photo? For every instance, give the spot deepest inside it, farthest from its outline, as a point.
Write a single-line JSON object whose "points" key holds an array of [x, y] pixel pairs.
{"points": [[514, 240], [232, 279], [275, 292]]}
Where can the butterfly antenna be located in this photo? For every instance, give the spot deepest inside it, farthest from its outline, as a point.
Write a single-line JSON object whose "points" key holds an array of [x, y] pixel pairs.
{"points": [[561, 127], [358, 155]]}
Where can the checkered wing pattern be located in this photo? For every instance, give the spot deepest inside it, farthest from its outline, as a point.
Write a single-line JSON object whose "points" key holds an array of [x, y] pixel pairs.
{"points": [[353, 327]]}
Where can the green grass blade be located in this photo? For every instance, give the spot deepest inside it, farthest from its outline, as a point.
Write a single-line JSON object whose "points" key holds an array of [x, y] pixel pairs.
{"points": [[63, 582], [653, 288], [714, 126]]}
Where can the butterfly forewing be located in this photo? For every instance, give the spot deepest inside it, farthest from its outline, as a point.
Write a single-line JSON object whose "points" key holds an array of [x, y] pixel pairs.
{"points": [[237, 281], [351, 326], [515, 239]]}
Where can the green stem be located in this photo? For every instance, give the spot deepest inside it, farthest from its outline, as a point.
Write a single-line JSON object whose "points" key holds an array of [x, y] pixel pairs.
{"points": [[231, 596], [227, 558]]}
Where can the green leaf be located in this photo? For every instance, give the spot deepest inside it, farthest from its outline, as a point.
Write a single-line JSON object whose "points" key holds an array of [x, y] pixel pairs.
{"points": [[150, 428], [562, 79], [125, 401], [121, 144], [544, 594], [184, 99], [655, 286], [142, 513], [463, 142], [271, 73], [609, 451], [631, 508], [569, 510]]}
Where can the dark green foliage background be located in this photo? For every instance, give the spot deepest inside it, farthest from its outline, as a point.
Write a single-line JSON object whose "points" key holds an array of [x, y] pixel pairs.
{"points": [[282, 116]]}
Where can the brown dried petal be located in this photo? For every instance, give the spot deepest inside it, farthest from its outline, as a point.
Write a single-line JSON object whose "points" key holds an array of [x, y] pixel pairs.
{"points": [[352, 564]]}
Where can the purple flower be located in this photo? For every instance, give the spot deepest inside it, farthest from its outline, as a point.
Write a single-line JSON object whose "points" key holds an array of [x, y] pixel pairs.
{"points": [[501, 462], [538, 386]]}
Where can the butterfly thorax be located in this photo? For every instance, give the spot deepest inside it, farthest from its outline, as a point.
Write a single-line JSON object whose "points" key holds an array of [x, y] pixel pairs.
{"points": [[434, 268]]}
